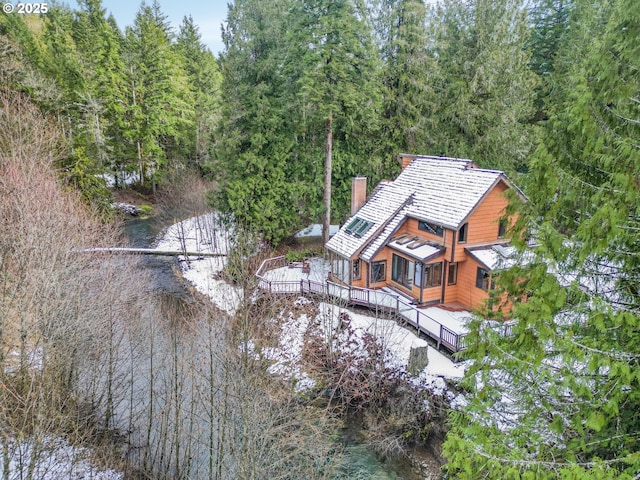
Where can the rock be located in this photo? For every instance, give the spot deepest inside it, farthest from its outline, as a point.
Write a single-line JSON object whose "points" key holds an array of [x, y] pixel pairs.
{"points": [[127, 209], [418, 360]]}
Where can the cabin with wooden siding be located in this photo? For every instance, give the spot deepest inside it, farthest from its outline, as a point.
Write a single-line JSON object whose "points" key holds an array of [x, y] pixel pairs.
{"points": [[435, 234]]}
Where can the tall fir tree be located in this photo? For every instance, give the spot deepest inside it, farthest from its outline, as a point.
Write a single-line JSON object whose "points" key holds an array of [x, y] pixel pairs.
{"points": [[338, 92], [484, 89], [160, 103], [204, 79], [407, 76], [103, 101], [560, 397], [254, 149], [549, 21]]}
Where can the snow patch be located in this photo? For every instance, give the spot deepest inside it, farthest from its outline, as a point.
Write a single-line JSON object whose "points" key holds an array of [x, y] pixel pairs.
{"points": [[204, 234], [51, 459], [315, 230]]}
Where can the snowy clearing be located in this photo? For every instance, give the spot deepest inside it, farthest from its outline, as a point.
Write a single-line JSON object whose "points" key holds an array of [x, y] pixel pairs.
{"points": [[315, 230], [398, 340], [206, 234]]}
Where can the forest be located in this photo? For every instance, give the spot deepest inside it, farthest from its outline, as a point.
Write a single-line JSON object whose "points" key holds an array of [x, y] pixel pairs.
{"points": [[304, 96]]}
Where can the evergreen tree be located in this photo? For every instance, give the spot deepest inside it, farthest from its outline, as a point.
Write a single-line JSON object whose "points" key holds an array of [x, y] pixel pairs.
{"points": [[407, 76], [255, 142], [339, 96], [204, 79], [160, 104], [560, 398], [550, 27], [103, 100], [484, 89]]}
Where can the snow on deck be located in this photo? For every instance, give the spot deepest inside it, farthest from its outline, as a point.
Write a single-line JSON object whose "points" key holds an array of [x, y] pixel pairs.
{"points": [[455, 321], [319, 272]]}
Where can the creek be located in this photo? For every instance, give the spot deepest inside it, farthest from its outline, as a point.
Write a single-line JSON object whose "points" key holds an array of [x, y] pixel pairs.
{"points": [[360, 462]]}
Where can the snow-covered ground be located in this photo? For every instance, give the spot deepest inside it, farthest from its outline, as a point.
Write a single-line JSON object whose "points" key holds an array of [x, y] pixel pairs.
{"points": [[55, 459], [205, 234], [315, 230], [123, 178], [398, 340]]}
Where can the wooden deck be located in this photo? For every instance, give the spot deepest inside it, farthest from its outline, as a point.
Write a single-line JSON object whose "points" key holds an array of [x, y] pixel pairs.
{"points": [[376, 300]]}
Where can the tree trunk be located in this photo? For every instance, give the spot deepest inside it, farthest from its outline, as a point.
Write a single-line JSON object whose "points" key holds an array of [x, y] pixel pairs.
{"points": [[328, 144]]}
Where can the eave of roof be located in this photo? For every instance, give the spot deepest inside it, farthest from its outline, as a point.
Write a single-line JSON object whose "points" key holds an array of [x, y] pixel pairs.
{"points": [[421, 254], [492, 257]]}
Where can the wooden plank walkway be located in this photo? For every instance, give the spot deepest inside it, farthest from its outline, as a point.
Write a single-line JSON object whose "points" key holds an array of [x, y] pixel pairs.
{"points": [[377, 300]]}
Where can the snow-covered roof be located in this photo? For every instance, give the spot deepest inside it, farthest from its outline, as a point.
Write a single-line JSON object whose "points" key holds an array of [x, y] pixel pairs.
{"points": [[446, 190], [381, 207], [440, 190], [494, 257], [381, 240], [415, 247]]}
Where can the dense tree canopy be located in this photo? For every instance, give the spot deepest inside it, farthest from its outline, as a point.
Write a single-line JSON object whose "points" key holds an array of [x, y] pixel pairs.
{"points": [[560, 398]]}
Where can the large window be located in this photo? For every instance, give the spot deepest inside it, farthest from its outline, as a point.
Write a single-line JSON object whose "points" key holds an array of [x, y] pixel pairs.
{"points": [[340, 268], [432, 275], [378, 272], [453, 274], [402, 271], [462, 233], [483, 279], [431, 228]]}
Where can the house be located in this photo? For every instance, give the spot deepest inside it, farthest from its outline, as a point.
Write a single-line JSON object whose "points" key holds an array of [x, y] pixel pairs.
{"points": [[436, 233]]}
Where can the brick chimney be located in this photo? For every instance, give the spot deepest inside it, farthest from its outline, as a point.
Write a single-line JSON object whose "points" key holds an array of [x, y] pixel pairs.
{"points": [[358, 193]]}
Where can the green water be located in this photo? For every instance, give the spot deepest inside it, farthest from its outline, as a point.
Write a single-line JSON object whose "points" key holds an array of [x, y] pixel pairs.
{"points": [[360, 463]]}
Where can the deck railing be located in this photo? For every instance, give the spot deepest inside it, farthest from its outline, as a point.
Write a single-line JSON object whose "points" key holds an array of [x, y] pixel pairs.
{"points": [[372, 299]]}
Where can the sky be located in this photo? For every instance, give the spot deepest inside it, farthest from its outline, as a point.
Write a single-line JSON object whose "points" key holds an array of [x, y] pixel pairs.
{"points": [[208, 15]]}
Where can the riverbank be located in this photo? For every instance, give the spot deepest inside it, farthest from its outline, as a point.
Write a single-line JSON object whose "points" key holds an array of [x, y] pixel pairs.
{"points": [[206, 233]]}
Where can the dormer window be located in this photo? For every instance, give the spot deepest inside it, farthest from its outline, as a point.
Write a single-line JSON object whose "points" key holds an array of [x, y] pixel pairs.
{"points": [[431, 228], [358, 227]]}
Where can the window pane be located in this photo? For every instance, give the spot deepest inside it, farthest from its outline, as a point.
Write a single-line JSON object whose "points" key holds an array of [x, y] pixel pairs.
{"points": [[402, 271], [417, 279], [433, 274], [462, 233], [437, 274], [453, 274], [502, 228], [431, 228], [378, 272], [482, 279]]}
